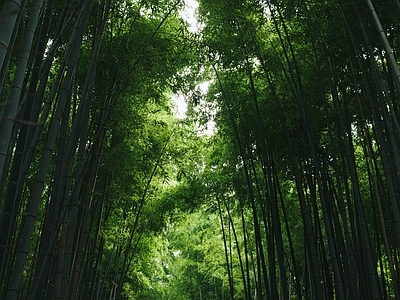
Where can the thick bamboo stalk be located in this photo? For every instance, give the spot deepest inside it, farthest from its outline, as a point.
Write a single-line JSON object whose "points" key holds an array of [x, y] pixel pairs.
{"points": [[9, 24], [8, 112], [388, 50]]}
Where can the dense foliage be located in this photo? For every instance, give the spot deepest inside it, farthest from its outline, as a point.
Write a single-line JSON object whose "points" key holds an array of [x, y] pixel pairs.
{"points": [[106, 194]]}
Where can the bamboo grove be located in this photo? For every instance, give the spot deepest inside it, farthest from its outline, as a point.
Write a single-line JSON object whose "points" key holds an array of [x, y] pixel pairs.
{"points": [[105, 194], [308, 112], [86, 126]]}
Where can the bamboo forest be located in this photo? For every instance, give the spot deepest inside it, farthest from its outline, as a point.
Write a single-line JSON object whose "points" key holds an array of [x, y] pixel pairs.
{"points": [[199, 150]]}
